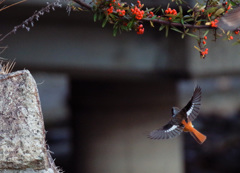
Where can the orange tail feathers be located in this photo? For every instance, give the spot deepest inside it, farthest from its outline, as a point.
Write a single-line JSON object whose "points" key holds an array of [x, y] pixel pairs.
{"points": [[199, 137]]}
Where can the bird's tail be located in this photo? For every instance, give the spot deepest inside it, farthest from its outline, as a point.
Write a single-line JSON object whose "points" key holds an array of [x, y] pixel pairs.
{"points": [[199, 137], [188, 127]]}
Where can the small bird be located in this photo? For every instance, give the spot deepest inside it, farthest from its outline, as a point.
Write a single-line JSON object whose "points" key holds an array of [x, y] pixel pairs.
{"points": [[231, 20], [182, 120]]}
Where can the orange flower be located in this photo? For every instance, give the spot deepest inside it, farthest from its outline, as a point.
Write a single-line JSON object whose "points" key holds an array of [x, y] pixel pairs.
{"points": [[204, 42], [205, 37]]}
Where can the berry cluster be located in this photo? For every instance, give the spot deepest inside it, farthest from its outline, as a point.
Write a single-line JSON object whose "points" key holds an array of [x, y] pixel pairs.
{"points": [[214, 23], [204, 39], [171, 11], [150, 14], [139, 4], [137, 12], [140, 29], [126, 17], [205, 52], [121, 12], [110, 10]]}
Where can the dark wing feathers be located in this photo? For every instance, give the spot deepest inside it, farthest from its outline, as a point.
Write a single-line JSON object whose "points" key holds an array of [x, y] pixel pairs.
{"points": [[168, 131], [192, 109], [231, 20], [172, 129]]}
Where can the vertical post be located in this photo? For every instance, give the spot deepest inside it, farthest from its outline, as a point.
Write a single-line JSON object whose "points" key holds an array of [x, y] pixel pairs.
{"points": [[22, 133]]}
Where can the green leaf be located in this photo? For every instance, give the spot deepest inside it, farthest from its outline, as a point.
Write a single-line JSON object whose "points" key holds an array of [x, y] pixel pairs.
{"points": [[192, 35], [167, 30], [205, 33], [236, 43], [125, 28], [183, 35], [94, 8], [211, 10], [115, 32], [177, 30], [156, 10], [95, 17], [151, 23], [105, 22], [182, 22], [190, 10], [162, 27], [188, 20], [116, 25], [219, 11], [233, 3], [154, 17], [180, 10], [131, 23], [101, 16], [197, 48], [148, 10]]}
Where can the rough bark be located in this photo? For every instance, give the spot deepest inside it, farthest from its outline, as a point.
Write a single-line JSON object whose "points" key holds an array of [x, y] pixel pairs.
{"points": [[22, 133]]}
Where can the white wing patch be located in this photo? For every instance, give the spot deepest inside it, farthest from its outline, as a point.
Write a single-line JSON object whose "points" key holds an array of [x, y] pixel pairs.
{"points": [[172, 132], [191, 109], [172, 128]]}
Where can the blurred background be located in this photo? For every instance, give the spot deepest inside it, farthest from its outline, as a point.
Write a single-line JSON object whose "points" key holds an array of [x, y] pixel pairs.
{"points": [[101, 95]]}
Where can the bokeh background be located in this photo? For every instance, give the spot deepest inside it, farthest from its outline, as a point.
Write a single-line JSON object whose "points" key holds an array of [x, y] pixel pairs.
{"points": [[101, 95]]}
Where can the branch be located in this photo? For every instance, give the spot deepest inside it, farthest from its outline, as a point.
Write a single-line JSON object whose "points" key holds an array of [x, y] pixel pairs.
{"points": [[4, 8], [83, 4], [165, 22], [158, 21]]}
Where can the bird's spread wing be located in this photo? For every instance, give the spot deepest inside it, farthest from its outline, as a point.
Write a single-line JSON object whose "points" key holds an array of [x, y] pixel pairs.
{"points": [[192, 109], [168, 131], [175, 110], [231, 20]]}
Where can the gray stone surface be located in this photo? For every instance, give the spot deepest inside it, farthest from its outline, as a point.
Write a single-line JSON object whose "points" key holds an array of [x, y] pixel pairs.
{"points": [[22, 133]]}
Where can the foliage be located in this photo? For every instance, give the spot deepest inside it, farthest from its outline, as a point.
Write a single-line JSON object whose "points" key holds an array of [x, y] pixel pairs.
{"points": [[195, 22]]}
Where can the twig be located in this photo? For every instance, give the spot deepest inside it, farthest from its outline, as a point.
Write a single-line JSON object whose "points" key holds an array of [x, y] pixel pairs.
{"points": [[35, 17], [83, 4], [4, 8]]}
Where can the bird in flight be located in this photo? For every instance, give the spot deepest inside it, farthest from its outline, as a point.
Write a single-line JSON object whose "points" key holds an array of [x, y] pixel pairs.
{"points": [[181, 120], [231, 20]]}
